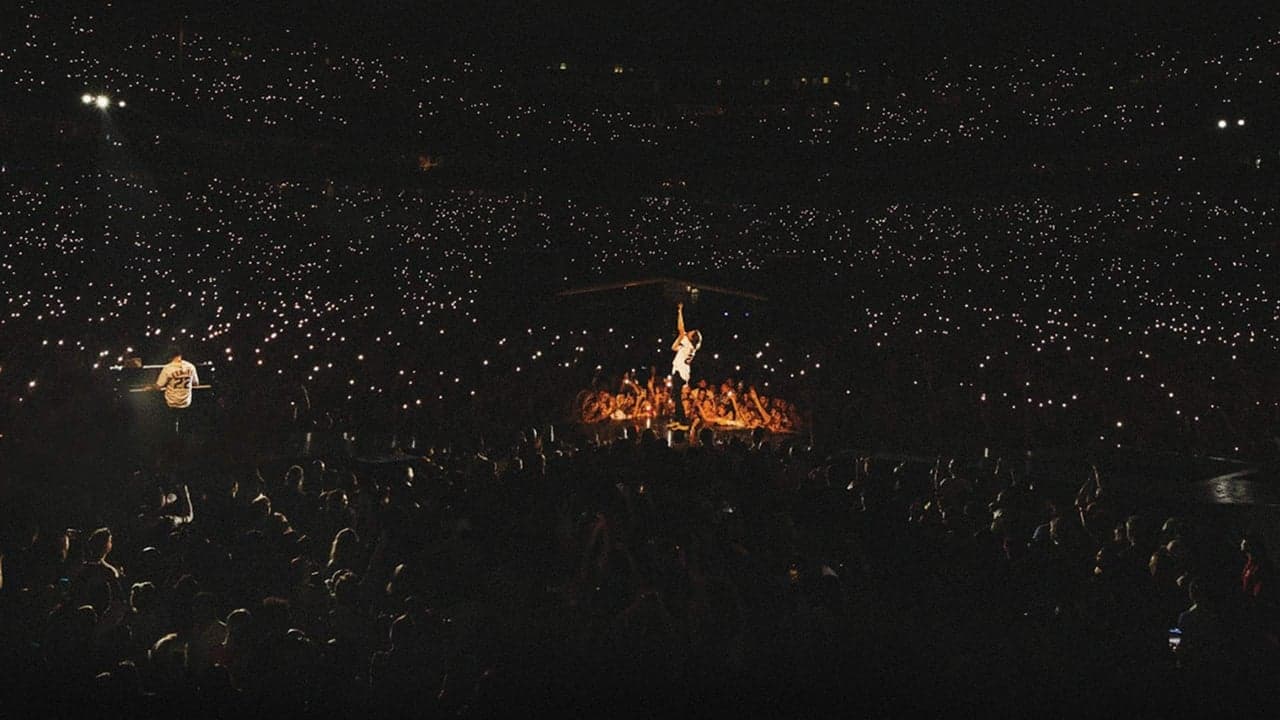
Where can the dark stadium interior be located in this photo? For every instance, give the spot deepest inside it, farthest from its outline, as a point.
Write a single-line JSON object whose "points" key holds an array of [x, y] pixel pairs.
{"points": [[348, 360]]}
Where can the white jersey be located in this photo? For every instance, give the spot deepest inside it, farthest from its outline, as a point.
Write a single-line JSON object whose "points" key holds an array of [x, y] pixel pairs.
{"points": [[177, 379], [684, 357]]}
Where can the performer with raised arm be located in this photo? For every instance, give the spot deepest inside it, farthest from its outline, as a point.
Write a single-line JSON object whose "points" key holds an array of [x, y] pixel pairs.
{"points": [[685, 347]]}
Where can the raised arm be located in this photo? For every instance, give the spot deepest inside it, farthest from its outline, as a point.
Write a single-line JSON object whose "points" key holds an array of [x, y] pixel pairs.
{"points": [[629, 383], [737, 410], [189, 512], [675, 345]]}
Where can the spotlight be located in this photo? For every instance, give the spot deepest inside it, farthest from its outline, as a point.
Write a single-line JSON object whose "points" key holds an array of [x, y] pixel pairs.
{"points": [[120, 104], [86, 98], [103, 102], [1240, 122], [1222, 124]]}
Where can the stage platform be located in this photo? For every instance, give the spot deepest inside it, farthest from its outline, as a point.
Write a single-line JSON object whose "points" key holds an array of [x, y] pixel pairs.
{"points": [[383, 448], [607, 431]]}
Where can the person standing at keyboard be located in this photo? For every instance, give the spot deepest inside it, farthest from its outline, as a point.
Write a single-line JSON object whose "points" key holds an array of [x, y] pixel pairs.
{"points": [[176, 380]]}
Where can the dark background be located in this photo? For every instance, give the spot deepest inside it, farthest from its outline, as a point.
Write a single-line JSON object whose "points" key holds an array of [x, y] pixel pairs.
{"points": [[726, 34]]}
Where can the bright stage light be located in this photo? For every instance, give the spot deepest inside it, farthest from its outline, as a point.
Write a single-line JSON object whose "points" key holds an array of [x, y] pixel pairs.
{"points": [[1240, 122], [120, 104], [1222, 124], [86, 99], [102, 102]]}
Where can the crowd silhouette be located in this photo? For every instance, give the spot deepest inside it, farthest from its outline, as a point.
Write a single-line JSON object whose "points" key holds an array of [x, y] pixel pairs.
{"points": [[547, 575]]}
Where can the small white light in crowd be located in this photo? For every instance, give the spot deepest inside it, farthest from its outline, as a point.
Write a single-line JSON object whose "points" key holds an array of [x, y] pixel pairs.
{"points": [[1222, 124], [102, 102], [1240, 122], [120, 104], [87, 99]]}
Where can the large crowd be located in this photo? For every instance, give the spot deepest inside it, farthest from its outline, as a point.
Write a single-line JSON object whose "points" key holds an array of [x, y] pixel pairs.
{"points": [[521, 532], [1123, 114], [1143, 322], [544, 575]]}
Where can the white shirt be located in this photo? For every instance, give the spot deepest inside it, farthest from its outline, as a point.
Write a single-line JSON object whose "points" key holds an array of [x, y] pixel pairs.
{"points": [[684, 357], [177, 379]]}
